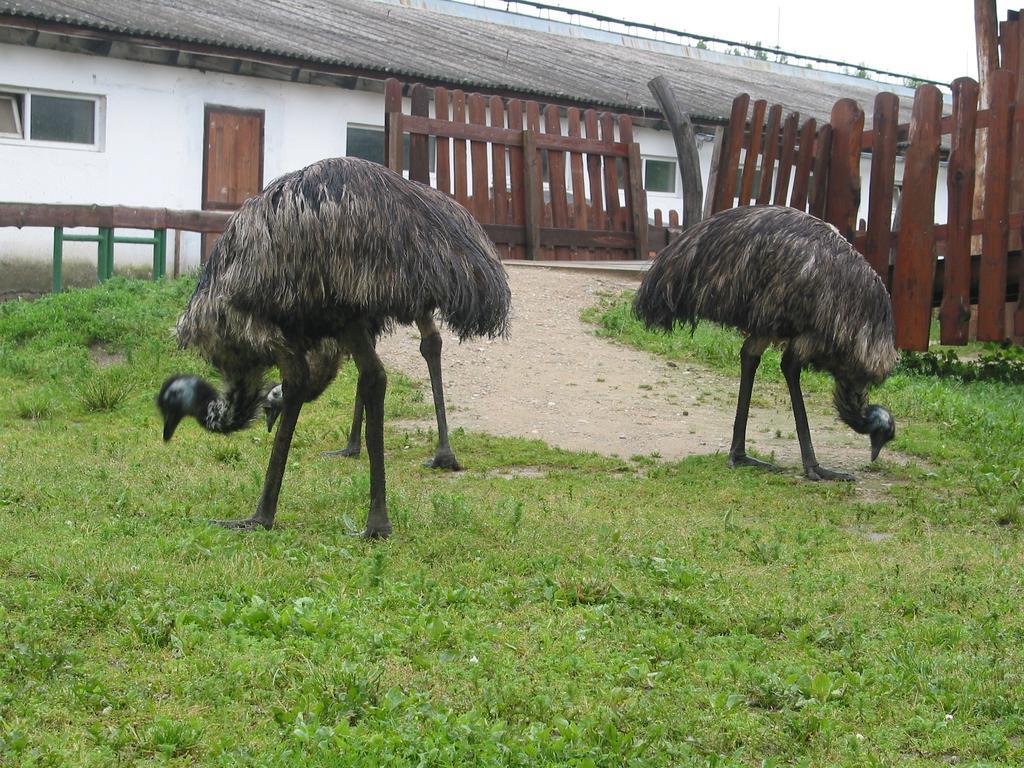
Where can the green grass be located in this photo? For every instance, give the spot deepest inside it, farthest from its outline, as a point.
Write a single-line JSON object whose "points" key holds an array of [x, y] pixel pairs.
{"points": [[589, 614]]}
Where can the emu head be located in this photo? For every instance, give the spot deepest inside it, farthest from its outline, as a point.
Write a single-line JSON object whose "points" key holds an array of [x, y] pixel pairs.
{"points": [[182, 396], [881, 427], [273, 404]]}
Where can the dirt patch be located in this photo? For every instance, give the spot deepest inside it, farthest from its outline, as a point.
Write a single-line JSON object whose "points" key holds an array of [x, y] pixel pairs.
{"points": [[875, 537], [556, 381], [511, 473], [103, 357]]}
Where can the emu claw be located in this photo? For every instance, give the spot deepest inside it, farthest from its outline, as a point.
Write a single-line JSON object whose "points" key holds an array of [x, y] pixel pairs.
{"points": [[818, 472], [349, 452]]}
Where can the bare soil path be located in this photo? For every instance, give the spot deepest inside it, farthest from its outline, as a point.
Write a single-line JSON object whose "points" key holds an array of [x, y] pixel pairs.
{"points": [[556, 381]]}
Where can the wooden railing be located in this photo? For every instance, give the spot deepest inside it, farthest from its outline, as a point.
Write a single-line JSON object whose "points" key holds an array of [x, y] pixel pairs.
{"points": [[106, 219], [491, 156]]}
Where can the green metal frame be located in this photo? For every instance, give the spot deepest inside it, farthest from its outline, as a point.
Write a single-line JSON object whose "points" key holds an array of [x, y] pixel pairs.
{"points": [[105, 239]]}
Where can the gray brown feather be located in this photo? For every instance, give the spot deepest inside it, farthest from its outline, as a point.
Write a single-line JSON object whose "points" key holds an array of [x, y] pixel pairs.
{"points": [[779, 274], [341, 241]]}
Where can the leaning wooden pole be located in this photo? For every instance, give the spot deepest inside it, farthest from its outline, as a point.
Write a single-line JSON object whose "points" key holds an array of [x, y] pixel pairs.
{"points": [[686, 149]]}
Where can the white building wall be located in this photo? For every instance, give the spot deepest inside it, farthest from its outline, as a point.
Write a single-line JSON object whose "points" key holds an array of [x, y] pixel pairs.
{"points": [[150, 149]]}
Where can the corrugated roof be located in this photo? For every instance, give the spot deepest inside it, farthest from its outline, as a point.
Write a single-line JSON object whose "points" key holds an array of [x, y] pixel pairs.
{"points": [[414, 43]]}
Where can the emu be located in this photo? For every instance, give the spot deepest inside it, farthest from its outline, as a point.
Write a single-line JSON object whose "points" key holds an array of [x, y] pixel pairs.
{"points": [[782, 276], [313, 270]]}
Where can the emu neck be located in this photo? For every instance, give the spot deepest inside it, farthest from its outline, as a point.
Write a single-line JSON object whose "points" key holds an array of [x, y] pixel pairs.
{"points": [[238, 406], [851, 402]]}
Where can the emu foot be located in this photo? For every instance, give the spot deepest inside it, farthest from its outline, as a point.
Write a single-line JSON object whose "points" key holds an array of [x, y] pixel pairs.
{"points": [[742, 460], [443, 460], [250, 524], [818, 472], [349, 452]]}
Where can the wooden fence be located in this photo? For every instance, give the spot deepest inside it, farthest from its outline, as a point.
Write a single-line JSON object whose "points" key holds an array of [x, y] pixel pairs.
{"points": [[539, 193], [925, 264], [106, 219]]}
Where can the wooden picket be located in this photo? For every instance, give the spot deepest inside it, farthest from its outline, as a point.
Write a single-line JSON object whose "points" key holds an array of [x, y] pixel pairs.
{"points": [[955, 313], [753, 152], [843, 197], [579, 191], [769, 148], [819, 177], [878, 242], [786, 156], [442, 144], [914, 270], [804, 161], [481, 185], [498, 176], [995, 234]]}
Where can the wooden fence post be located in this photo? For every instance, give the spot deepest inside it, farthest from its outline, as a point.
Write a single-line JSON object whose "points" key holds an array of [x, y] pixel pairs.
{"points": [[878, 244], [638, 201], [579, 191], [636, 198], [594, 175], [843, 198], [481, 185], [822, 157], [769, 150], [517, 174], [459, 161], [533, 193], [716, 160], [419, 144], [393, 126], [995, 234], [955, 313], [612, 204], [498, 166], [725, 188], [914, 272], [556, 179], [533, 170], [804, 161], [442, 144], [786, 158], [753, 153]]}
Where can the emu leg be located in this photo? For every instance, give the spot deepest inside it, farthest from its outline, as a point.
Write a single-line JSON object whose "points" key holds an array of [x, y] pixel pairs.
{"points": [[266, 509], [750, 359], [353, 447], [791, 368], [430, 348], [372, 384]]}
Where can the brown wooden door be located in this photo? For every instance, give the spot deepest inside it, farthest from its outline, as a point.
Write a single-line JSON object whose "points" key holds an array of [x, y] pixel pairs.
{"points": [[232, 160]]}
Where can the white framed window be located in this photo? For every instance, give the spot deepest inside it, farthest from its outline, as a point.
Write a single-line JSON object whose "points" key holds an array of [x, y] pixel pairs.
{"points": [[51, 118], [660, 175], [10, 116]]}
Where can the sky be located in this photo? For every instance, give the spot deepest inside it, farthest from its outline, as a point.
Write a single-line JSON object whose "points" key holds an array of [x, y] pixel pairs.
{"points": [[931, 39]]}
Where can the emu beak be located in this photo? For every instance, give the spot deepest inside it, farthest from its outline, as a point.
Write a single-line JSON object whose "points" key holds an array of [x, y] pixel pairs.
{"points": [[171, 421], [271, 414], [877, 441]]}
